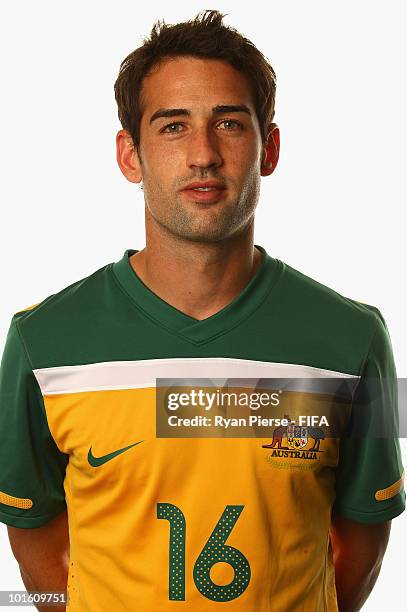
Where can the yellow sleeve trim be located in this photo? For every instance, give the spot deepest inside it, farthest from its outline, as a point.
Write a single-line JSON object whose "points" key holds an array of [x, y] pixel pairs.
{"points": [[28, 308], [16, 502], [391, 491]]}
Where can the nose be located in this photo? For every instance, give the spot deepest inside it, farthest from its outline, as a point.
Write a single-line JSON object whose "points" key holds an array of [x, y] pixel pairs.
{"points": [[203, 149]]}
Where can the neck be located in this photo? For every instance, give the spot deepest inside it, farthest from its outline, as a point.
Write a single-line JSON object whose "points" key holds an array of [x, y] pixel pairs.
{"points": [[197, 278]]}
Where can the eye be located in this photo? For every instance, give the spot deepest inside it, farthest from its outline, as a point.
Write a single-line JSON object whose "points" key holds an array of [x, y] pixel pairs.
{"points": [[231, 124], [167, 128]]}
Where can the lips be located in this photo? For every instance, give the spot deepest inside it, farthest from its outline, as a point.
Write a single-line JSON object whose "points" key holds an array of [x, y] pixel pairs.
{"points": [[204, 185], [205, 191]]}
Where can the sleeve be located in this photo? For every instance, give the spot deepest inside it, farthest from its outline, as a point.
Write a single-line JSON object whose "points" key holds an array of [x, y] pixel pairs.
{"points": [[369, 475], [32, 468]]}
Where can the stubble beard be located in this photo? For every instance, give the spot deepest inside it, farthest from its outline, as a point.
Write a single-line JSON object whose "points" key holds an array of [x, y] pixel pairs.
{"points": [[187, 222]]}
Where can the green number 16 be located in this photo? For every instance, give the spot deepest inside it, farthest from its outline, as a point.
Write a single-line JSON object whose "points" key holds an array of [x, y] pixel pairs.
{"points": [[214, 551]]}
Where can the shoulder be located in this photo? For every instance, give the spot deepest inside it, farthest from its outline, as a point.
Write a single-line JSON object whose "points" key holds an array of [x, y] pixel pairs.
{"points": [[317, 320], [328, 302], [65, 316], [75, 295]]}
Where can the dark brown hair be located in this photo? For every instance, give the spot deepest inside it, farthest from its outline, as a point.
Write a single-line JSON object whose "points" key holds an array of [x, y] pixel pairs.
{"points": [[205, 37]]}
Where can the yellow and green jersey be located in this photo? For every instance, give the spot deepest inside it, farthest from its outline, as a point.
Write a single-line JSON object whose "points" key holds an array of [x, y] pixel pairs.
{"points": [[162, 521]]}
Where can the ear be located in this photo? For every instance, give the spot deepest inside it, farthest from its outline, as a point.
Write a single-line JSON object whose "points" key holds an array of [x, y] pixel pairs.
{"points": [[271, 151], [127, 157]]}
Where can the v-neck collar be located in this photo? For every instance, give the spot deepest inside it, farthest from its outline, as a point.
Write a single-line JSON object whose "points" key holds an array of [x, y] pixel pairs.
{"points": [[195, 330]]}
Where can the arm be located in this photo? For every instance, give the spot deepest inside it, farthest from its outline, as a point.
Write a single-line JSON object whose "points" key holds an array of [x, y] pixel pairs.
{"points": [[358, 551], [43, 556]]}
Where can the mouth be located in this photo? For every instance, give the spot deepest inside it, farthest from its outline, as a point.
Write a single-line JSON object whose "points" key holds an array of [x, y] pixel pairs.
{"points": [[210, 192]]}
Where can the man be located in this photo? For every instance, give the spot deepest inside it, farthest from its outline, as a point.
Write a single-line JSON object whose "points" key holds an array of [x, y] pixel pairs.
{"points": [[93, 493]]}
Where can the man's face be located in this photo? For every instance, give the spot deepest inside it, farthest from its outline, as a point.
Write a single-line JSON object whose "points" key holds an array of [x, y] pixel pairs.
{"points": [[198, 141]]}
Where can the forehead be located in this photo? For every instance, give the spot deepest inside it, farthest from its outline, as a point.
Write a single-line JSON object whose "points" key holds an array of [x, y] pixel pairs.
{"points": [[190, 82]]}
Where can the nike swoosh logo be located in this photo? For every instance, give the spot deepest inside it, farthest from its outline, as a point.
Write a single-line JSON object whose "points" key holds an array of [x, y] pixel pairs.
{"points": [[97, 461]]}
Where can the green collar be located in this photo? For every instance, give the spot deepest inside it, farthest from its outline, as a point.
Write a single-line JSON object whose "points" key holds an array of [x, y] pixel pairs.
{"points": [[194, 330]]}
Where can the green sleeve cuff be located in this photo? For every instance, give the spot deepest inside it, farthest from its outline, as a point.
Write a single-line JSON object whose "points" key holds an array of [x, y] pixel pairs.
{"points": [[27, 522], [378, 516]]}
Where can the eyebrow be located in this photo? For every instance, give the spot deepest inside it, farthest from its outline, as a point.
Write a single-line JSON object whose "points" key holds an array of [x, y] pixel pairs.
{"points": [[216, 110]]}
